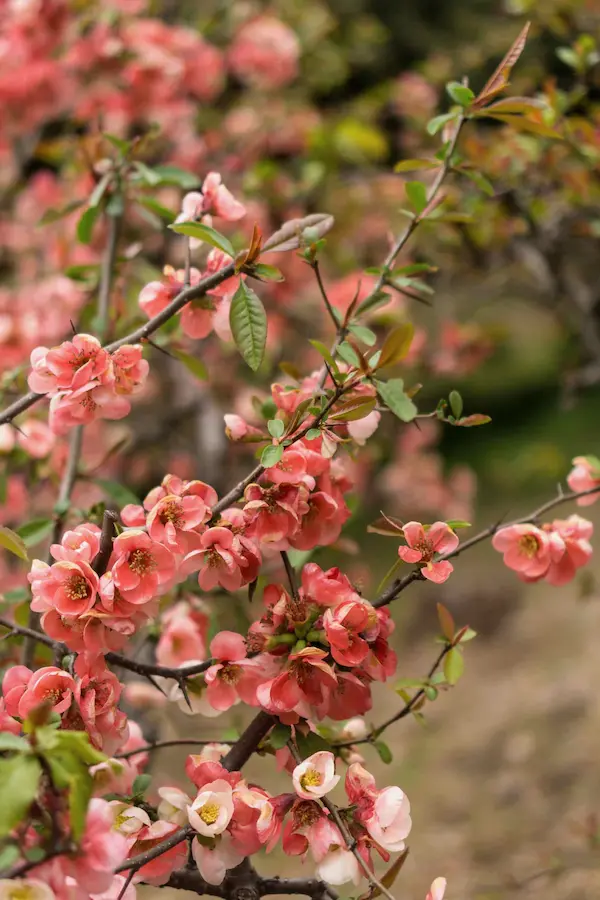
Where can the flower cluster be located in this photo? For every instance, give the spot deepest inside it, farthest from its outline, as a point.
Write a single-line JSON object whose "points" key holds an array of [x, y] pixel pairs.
{"points": [[85, 382], [552, 551]]}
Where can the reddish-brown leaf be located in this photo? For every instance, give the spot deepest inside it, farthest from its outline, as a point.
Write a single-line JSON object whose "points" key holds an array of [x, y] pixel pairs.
{"points": [[499, 79]]}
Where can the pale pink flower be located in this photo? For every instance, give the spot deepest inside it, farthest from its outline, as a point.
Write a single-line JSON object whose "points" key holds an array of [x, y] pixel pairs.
{"points": [[101, 849], [130, 369], [129, 820], [528, 550], [584, 477], [315, 776], [423, 545], [84, 405], [48, 685], [140, 566], [362, 429], [234, 677], [158, 871], [35, 438], [211, 811], [8, 437], [173, 805], [388, 821], [335, 863], [219, 201], [183, 635], [214, 861], [437, 889], [575, 533], [79, 545], [237, 429]]}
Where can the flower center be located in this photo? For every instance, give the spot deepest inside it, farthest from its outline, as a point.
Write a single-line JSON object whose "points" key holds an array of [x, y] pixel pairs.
{"points": [[209, 813], [88, 403], [80, 359], [306, 814], [230, 674], [311, 778], [529, 545], [171, 512], [141, 561], [426, 549], [77, 588], [53, 696], [19, 892]]}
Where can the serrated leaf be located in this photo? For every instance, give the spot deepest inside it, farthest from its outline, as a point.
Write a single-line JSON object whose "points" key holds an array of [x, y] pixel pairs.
{"points": [[325, 353], [204, 233], [417, 195], [396, 345], [192, 364], [520, 123], [279, 736], [385, 754], [13, 542], [471, 421], [35, 531], [291, 234], [161, 211], [446, 622], [85, 225], [248, 321], [409, 165], [276, 428], [117, 492], [499, 79], [19, 780], [454, 665], [346, 352], [267, 273], [393, 395], [374, 301], [271, 455]]}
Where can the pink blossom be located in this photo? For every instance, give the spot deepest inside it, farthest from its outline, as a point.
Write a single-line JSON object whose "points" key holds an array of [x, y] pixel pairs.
{"points": [[362, 429], [79, 545], [101, 849], [47, 685], [173, 805], [158, 871], [130, 369], [214, 861], [315, 776], [175, 521], [35, 438], [387, 818], [70, 366], [274, 514], [343, 626], [585, 476], [70, 588], [422, 546], [25, 889], [183, 635], [211, 811], [528, 550], [265, 53], [437, 889], [575, 533], [84, 405], [336, 864], [8, 437], [217, 200], [140, 566], [220, 560], [234, 677], [129, 820]]}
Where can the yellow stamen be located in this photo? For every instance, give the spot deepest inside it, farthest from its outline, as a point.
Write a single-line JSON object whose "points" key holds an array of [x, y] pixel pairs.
{"points": [[311, 778], [209, 813]]}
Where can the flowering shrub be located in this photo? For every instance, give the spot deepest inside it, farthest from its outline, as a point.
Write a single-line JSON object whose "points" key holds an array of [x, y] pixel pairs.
{"points": [[82, 818]]}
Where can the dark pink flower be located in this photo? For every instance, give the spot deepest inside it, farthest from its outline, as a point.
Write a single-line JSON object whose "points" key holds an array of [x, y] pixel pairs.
{"points": [[423, 545]]}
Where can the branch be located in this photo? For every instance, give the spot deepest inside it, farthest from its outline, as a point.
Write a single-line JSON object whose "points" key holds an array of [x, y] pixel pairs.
{"points": [[100, 561], [401, 583], [106, 276], [249, 741], [158, 745], [140, 334]]}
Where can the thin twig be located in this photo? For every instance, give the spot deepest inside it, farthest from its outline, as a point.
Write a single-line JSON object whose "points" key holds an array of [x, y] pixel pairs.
{"points": [[158, 745], [107, 272], [291, 574]]}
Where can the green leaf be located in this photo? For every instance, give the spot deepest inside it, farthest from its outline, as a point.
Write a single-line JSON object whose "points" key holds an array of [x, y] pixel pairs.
{"points": [[385, 754], [456, 403], [478, 179], [457, 523], [121, 145], [35, 531], [100, 189], [364, 334], [374, 301], [279, 736], [396, 345], [13, 542], [8, 856], [468, 636], [454, 665], [267, 273], [437, 123], [19, 779], [430, 692], [54, 215], [446, 622], [248, 321], [346, 352], [141, 784], [69, 773], [393, 395], [271, 455], [204, 233], [85, 226], [323, 350], [177, 176], [10, 741], [311, 743], [353, 410], [276, 428], [162, 211], [117, 492], [417, 195], [462, 95], [409, 165], [192, 364], [312, 434]]}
